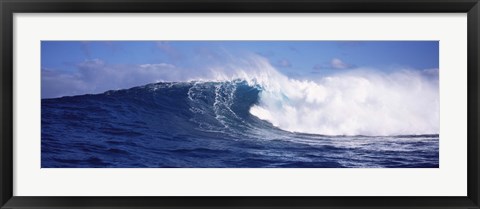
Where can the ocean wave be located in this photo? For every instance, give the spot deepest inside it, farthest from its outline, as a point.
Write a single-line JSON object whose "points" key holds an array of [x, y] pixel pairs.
{"points": [[257, 99]]}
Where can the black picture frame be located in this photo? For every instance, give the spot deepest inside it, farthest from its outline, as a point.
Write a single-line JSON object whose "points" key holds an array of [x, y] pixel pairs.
{"points": [[9, 7]]}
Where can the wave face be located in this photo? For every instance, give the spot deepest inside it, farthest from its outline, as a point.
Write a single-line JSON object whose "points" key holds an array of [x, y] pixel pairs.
{"points": [[257, 121]]}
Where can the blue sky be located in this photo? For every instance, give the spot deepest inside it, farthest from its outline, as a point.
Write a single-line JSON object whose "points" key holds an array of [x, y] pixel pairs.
{"points": [[79, 67]]}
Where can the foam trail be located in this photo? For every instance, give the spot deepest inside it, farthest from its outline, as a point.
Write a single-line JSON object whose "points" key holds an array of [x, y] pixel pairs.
{"points": [[362, 102]]}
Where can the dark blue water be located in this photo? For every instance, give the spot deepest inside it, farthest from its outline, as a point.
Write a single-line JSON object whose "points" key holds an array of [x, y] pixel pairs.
{"points": [[199, 125]]}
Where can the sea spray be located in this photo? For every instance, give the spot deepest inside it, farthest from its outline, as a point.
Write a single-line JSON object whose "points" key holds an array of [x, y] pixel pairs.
{"points": [[355, 102]]}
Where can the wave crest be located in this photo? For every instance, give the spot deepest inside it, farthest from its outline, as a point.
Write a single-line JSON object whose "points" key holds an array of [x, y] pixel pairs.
{"points": [[361, 102]]}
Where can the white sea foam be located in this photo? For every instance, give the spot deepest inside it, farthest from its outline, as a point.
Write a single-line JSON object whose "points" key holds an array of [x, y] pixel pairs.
{"points": [[360, 102]]}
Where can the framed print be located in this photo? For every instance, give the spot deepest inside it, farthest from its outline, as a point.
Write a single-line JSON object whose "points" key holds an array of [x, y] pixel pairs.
{"points": [[266, 104]]}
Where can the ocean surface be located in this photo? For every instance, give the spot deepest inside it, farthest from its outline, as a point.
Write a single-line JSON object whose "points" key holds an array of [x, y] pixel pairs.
{"points": [[209, 125]]}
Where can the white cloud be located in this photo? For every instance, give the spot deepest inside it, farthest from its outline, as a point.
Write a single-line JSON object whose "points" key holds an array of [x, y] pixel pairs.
{"points": [[96, 76], [431, 71], [335, 63], [157, 66], [338, 64]]}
